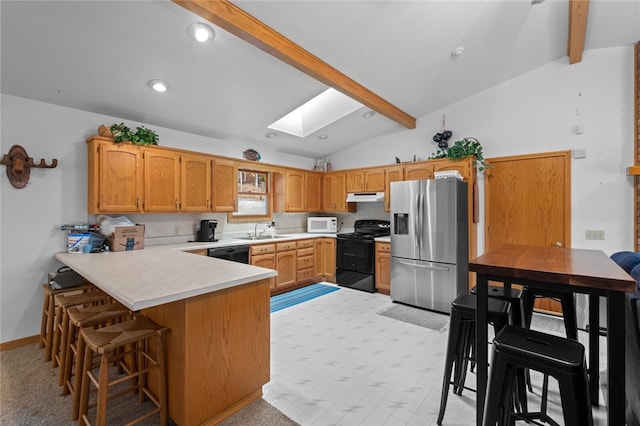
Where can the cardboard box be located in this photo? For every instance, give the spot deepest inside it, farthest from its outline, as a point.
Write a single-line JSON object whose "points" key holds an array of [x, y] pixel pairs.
{"points": [[127, 238]]}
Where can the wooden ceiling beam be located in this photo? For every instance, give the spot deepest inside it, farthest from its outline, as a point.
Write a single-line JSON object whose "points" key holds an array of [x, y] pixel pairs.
{"points": [[231, 18], [578, 14]]}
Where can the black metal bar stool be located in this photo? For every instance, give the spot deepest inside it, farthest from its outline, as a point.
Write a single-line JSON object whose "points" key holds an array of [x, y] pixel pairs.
{"points": [[516, 348], [513, 296], [461, 340], [529, 296]]}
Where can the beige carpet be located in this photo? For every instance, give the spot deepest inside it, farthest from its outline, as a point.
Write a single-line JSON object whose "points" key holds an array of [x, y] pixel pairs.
{"points": [[29, 394]]}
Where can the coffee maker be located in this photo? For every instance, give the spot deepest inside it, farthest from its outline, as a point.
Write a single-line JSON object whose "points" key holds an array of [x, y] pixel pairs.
{"points": [[207, 230]]}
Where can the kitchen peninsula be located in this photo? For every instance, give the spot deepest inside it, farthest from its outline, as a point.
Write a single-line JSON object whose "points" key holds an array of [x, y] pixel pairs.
{"points": [[218, 350]]}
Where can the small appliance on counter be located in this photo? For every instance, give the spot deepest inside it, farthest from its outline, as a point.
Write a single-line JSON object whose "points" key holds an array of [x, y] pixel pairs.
{"points": [[322, 225], [207, 232]]}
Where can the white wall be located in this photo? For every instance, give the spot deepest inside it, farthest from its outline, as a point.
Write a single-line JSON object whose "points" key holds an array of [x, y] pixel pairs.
{"points": [[538, 112], [30, 217]]}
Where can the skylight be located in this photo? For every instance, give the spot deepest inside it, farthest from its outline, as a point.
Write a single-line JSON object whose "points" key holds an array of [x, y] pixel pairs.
{"points": [[326, 108]]}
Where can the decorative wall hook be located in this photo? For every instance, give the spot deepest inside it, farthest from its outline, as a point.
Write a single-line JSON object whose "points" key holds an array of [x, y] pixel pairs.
{"points": [[19, 166]]}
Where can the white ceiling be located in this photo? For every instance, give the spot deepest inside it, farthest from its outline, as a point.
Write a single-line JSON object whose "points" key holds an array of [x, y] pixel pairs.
{"points": [[98, 56]]}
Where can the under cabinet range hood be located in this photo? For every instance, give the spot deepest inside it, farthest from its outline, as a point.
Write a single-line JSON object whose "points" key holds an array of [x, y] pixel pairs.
{"points": [[365, 197]]}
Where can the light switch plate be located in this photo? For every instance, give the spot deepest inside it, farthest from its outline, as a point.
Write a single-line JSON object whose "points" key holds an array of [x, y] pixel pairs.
{"points": [[594, 234]]}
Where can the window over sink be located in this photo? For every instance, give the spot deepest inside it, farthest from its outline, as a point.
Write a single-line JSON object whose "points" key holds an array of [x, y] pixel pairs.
{"points": [[254, 196]]}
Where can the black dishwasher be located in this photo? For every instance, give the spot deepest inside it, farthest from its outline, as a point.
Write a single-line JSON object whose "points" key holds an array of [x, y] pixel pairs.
{"points": [[233, 253]]}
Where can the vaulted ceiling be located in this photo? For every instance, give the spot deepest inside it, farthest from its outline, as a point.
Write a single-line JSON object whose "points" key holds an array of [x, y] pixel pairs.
{"points": [[98, 56]]}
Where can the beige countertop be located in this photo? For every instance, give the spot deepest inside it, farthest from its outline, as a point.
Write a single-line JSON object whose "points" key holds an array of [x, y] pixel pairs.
{"points": [[225, 242], [162, 274], [144, 278]]}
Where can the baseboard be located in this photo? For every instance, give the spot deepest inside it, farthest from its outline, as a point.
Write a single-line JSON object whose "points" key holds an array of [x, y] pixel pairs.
{"points": [[19, 342], [234, 408]]}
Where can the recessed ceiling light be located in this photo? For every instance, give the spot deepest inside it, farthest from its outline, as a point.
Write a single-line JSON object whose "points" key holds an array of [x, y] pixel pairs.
{"points": [[201, 32], [271, 135], [158, 85], [368, 114], [323, 136]]}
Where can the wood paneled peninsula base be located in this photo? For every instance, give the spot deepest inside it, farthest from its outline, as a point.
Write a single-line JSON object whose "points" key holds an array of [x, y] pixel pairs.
{"points": [[218, 350]]}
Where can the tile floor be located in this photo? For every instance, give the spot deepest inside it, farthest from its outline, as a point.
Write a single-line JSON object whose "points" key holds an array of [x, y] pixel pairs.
{"points": [[335, 361]]}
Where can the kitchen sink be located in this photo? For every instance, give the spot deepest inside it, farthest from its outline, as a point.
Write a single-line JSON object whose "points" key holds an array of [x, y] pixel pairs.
{"points": [[262, 237]]}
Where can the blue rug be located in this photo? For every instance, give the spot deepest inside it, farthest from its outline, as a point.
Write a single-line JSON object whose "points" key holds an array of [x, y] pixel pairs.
{"points": [[295, 297]]}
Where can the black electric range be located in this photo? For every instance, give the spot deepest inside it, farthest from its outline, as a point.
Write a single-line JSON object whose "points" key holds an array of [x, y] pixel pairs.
{"points": [[355, 256]]}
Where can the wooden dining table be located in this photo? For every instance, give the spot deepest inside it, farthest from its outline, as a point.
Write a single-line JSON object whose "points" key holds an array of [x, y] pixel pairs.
{"points": [[590, 272]]}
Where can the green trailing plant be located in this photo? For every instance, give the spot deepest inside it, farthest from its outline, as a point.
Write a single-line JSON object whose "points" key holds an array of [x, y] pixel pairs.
{"points": [[142, 135], [120, 132], [467, 147]]}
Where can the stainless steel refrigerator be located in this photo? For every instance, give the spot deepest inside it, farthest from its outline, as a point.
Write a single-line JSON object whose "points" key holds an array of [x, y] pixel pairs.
{"points": [[429, 242]]}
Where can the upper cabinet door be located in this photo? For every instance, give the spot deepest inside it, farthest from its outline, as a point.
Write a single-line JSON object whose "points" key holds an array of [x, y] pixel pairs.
{"points": [[313, 191], [365, 180], [418, 171], [294, 191], [115, 177], [161, 180], [225, 186], [464, 166], [355, 181], [196, 183], [393, 174], [374, 180]]}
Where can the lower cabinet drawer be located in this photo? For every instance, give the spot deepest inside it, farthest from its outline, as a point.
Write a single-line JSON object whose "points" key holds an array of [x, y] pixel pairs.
{"points": [[304, 262], [304, 275]]}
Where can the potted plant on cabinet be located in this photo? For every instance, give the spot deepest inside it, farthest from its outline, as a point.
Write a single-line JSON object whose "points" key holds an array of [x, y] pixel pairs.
{"points": [[463, 148], [121, 133]]}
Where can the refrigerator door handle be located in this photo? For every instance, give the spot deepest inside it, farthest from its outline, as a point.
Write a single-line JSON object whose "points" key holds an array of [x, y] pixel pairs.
{"points": [[423, 266], [416, 224], [420, 219]]}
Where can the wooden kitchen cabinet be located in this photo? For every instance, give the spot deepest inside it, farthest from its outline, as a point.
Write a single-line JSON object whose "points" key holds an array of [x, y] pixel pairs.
{"points": [[304, 261], [224, 185], [418, 171], [298, 191], [325, 259], [371, 180], [334, 193], [464, 166], [195, 194], [115, 177], [286, 265], [264, 255], [200, 252], [392, 174], [313, 191], [161, 180], [383, 267]]}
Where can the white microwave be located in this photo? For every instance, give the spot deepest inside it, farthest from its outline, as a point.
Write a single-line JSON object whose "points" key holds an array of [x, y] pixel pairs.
{"points": [[322, 225]]}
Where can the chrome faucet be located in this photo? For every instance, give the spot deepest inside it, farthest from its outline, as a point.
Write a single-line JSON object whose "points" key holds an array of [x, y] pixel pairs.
{"points": [[255, 228]]}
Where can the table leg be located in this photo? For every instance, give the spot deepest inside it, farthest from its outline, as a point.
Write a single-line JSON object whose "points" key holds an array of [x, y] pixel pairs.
{"points": [[481, 344], [594, 348], [615, 358]]}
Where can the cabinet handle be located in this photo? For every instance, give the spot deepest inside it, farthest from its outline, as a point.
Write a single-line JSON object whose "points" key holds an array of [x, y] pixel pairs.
{"points": [[137, 203]]}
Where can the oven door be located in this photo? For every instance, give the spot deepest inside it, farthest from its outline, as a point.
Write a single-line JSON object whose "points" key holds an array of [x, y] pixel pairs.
{"points": [[355, 264], [356, 255]]}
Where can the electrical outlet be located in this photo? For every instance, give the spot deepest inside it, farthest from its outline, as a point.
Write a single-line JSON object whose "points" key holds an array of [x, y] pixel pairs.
{"points": [[594, 234]]}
